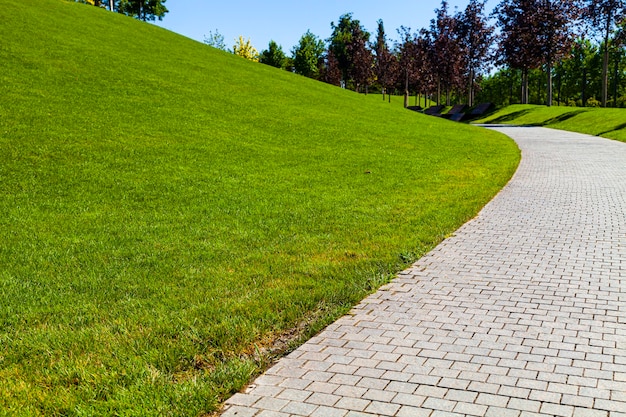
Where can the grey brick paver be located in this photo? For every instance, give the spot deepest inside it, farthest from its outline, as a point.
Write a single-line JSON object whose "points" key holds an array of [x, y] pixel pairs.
{"points": [[521, 312]]}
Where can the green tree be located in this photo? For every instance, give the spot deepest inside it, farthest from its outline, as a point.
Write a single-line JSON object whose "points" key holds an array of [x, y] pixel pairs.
{"points": [[307, 55], [245, 50], [578, 75], [142, 9], [605, 16], [274, 56]]}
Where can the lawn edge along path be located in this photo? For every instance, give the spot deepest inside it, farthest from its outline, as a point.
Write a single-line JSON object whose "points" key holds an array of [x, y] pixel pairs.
{"points": [[521, 311]]}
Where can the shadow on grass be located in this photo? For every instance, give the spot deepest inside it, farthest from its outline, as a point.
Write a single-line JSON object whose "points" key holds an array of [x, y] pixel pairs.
{"points": [[619, 127], [561, 118], [508, 117], [513, 116]]}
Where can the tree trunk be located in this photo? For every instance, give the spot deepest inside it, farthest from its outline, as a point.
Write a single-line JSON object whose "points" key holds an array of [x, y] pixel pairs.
{"points": [[605, 61], [524, 98], [583, 96], [558, 89], [470, 89], [549, 70], [438, 91], [111, 5], [616, 80], [406, 89]]}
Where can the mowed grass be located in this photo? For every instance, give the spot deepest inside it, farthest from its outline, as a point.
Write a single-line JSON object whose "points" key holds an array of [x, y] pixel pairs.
{"points": [[168, 211], [398, 100], [609, 123]]}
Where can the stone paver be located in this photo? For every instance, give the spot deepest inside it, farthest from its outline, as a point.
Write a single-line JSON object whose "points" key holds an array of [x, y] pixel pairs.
{"points": [[522, 312]]}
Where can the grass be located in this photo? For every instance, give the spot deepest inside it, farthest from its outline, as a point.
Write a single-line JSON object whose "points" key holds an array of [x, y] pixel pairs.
{"points": [[608, 123], [169, 212], [398, 100]]}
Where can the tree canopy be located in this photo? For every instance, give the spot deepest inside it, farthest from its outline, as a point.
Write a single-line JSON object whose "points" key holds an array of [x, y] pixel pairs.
{"points": [[307, 55], [274, 56], [574, 49], [244, 49]]}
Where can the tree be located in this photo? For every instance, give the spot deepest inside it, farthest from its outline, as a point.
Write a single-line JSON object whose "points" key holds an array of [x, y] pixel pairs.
{"points": [[619, 66], [142, 9], [361, 71], [274, 56], [96, 3], [447, 51], [476, 37], [245, 50], [575, 73], [605, 15], [347, 34], [216, 40], [99, 3], [410, 59], [331, 73], [555, 20], [386, 63], [307, 55], [518, 39]]}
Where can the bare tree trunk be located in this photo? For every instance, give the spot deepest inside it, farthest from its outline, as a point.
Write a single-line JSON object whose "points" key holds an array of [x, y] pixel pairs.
{"points": [[583, 95], [111, 5], [549, 70], [470, 89], [558, 89], [524, 98], [616, 80], [605, 61], [406, 89], [438, 91]]}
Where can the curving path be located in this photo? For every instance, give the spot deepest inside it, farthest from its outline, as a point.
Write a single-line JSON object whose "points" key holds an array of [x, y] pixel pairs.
{"points": [[521, 313]]}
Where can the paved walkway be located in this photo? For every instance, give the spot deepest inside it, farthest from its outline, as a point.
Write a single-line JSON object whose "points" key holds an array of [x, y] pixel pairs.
{"points": [[521, 313]]}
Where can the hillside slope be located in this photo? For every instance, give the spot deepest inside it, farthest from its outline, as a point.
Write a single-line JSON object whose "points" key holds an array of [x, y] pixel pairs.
{"points": [[168, 210], [606, 122]]}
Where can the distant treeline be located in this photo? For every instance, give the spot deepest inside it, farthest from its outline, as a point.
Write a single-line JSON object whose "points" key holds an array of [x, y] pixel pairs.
{"points": [[570, 52], [140, 9]]}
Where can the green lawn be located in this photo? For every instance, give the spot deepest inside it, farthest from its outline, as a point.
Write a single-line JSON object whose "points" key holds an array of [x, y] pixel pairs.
{"points": [[608, 123], [398, 101], [169, 211]]}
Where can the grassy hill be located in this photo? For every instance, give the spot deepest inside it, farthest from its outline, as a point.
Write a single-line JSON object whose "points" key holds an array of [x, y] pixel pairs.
{"points": [[170, 212], [608, 123]]}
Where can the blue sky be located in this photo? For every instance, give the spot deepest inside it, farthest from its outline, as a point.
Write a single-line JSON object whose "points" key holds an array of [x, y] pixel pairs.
{"points": [[285, 21]]}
